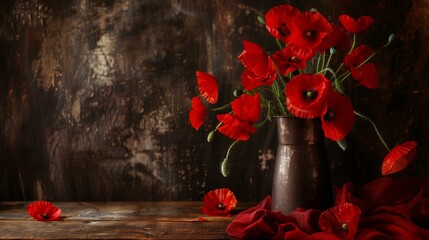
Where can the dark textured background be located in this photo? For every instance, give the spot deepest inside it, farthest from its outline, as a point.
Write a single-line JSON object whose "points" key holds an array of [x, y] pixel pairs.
{"points": [[94, 96]]}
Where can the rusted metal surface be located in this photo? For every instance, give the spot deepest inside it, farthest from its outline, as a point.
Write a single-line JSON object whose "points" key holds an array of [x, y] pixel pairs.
{"points": [[301, 174], [95, 95]]}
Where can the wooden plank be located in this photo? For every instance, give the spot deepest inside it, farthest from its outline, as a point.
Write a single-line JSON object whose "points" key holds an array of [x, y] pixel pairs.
{"points": [[115, 229], [116, 220]]}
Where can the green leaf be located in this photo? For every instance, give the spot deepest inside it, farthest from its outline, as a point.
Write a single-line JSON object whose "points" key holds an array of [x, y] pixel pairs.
{"points": [[339, 85]]}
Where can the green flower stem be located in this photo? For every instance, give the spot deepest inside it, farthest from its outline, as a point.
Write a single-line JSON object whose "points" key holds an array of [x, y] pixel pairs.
{"points": [[221, 108], [279, 44], [225, 163], [375, 128], [353, 44], [210, 136], [335, 82], [346, 74], [329, 61], [318, 63], [351, 49], [259, 125], [323, 60], [276, 90]]}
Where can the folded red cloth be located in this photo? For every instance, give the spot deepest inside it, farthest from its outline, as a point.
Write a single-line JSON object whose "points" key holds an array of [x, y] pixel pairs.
{"points": [[390, 208]]}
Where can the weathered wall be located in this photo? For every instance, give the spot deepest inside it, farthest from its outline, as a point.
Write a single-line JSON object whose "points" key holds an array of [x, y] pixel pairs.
{"points": [[94, 97]]}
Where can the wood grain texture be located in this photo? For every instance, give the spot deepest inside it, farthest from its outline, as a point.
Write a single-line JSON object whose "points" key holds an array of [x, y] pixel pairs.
{"points": [[94, 97], [115, 220]]}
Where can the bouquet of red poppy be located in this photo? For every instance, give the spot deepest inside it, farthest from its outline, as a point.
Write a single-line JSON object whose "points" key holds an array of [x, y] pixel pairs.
{"points": [[304, 78]]}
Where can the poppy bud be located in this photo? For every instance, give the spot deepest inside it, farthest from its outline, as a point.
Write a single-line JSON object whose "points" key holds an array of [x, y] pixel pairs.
{"points": [[225, 167], [238, 92], [261, 19], [391, 38], [210, 136]]}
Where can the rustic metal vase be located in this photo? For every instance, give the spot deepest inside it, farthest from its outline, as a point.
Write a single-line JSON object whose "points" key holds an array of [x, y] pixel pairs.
{"points": [[301, 174]]}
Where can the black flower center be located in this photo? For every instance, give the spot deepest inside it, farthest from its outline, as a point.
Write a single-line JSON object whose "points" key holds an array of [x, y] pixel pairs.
{"points": [[310, 94], [283, 30], [329, 116], [294, 59], [45, 216], [220, 206], [344, 228], [310, 34], [267, 78]]}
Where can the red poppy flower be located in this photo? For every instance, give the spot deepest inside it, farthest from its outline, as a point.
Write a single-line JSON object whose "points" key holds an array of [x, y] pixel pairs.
{"points": [[291, 58], [338, 117], [365, 74], [399, 157], [307, 95], [44, 211], [337, 39], [235, 128], [308, 30], [255, 60], [247, 107], [341, 220], [246, 110], [277, 20], [198, 113], [207, 84], [250, 80], [353, 26], [219, 202]]}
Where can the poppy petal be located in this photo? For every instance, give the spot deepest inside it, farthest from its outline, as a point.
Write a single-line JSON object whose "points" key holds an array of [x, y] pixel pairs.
{"points": [[44, 211], [219, 202], [257, 61], [207, 84], [341, 220], [308, 30], [337, 39], [277, 20], [399, 158], [198, 112], [247, 108], [338, 117], [250, 80], [307, 95], [365, 74], [291, 58], [234, 128], [353, 26]]}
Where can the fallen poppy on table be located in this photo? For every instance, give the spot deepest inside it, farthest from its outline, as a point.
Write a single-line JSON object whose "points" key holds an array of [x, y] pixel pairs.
{"points": [[399, 157], [219, 202], [341, 220], [44, 211]]}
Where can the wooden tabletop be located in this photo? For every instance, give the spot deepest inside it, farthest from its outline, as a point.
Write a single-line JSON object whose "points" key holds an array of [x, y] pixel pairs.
{"points": [[115, 220]]}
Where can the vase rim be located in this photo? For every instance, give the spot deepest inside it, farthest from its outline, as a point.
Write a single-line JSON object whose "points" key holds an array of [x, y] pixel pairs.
{"points": [[279, 116]]}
